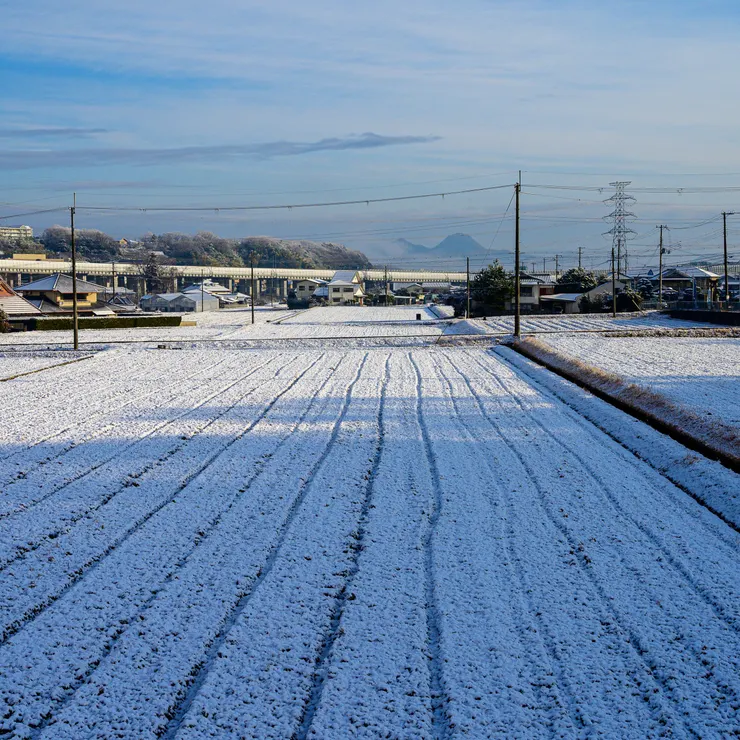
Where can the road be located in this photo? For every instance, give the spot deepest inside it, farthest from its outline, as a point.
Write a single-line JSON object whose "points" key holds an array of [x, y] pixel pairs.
{"points": [[392, 542]]}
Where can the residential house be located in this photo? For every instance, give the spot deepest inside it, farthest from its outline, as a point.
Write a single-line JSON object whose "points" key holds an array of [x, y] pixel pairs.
{"points": [[530, 289], [409, 289], [679, 278], [224, 295], [55, 294], [570, 302], [346, 287], [180, 302], [304, 289]]}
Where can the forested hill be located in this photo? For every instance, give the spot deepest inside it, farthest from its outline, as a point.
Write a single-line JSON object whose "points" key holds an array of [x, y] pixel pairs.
{"points": [[203, 248]]}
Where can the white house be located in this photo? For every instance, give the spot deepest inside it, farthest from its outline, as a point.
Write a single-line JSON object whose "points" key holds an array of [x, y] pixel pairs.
{"points": [[304, 289], [346, 287]]}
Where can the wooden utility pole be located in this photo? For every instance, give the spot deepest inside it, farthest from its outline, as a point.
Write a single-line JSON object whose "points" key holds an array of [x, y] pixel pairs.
{"points": [[251, 264], [113, 270], [725, 214], [614, 289], [580, 250], [517, 306], [386, 285], [661, 252], [75, 327], [467, 269], [202, 290], [557, 264]]}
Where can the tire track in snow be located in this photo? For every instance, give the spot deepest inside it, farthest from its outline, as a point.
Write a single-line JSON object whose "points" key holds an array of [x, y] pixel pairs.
{"points": [[203, 537], [21, 623], [637, 648], [604, 485], [560, 693], [326, 652], [440, 719], [25, 544], [179, 711]]}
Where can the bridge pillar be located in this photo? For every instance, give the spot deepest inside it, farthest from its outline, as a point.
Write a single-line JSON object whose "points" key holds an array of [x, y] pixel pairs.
{"points": [[283, 288]]}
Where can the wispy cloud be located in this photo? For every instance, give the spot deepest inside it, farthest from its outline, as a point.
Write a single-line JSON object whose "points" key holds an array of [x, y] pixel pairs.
{"points": [[54, 133], [181, 155]]}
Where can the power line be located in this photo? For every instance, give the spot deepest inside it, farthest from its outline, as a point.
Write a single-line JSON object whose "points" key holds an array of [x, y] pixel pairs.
{"points": [[291, 206]]}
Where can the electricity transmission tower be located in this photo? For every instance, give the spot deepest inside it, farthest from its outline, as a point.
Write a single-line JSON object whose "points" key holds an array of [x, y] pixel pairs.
{"points": [[620, 215]]}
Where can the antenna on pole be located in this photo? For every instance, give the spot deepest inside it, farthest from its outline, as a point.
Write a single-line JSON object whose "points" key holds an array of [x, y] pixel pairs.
{"points": [[620, 215]]}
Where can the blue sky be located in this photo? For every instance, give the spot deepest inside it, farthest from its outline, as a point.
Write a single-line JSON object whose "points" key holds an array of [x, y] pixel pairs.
{"points": [[225, 103]]}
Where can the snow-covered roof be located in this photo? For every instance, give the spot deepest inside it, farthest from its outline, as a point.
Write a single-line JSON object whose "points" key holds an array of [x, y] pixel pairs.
{"points": [[61, 283], [690, 271], [13, 304], [315, 281], [562, 297], [346, 276]]}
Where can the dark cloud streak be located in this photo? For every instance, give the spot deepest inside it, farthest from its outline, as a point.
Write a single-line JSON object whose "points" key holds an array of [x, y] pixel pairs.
{"points": [[42, 133], [92, 157]]}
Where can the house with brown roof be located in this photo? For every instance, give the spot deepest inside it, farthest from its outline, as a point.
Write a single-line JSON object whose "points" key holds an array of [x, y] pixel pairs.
{"points": [[54, 294]]}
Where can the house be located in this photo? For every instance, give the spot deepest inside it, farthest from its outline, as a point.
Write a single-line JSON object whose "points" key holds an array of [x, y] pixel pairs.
{"points": [[679, 278], [224, 295], [346, 287], [530, 290], [409, 289], [304, 289], [14, 305], [179, 302], [54, 294]]}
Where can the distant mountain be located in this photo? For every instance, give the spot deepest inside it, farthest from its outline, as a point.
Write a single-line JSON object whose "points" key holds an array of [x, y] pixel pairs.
{"points": [[451, 247], [457, 245]]}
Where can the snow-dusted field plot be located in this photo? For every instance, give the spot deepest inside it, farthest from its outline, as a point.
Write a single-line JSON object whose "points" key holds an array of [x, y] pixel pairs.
{"points": [[363, 314], [702, 374], [571, 323], [13, 363], [347, 543]]}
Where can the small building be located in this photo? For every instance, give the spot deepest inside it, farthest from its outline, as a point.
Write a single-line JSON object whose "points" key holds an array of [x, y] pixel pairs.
{"points": [[55, 294], [179, 302], [224, 295], [561, 302], [530, 291], [14, 305], [407, 289], [304, 289], [346, 287]]}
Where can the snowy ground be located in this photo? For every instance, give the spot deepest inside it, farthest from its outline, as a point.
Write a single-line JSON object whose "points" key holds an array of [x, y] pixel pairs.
{"points": [[336, 542], [571, 323], [18, 363], [701, 374]]}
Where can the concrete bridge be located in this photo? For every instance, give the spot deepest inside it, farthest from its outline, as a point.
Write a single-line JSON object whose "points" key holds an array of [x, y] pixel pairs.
{"points": [[18, 272]]}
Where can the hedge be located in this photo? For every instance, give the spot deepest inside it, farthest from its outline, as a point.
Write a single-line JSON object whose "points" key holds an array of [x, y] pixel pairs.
{"points": [[64, 323]]}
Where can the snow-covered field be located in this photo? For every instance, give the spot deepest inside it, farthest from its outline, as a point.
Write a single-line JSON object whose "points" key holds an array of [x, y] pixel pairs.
{"points": [[571, 323], [14, 363], [337, 542], [702, 374]]}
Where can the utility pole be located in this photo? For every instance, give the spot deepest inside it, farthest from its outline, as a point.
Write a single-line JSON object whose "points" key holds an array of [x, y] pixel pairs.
{"points": [[517, 306], [661, 252], [725, 214], [614, 289], [534, 266], [557, 263], [467, 269], [113, 270], [75, 327], [544, 264], [202, 289], [251, 264], [580, 250], [386, 285]]}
